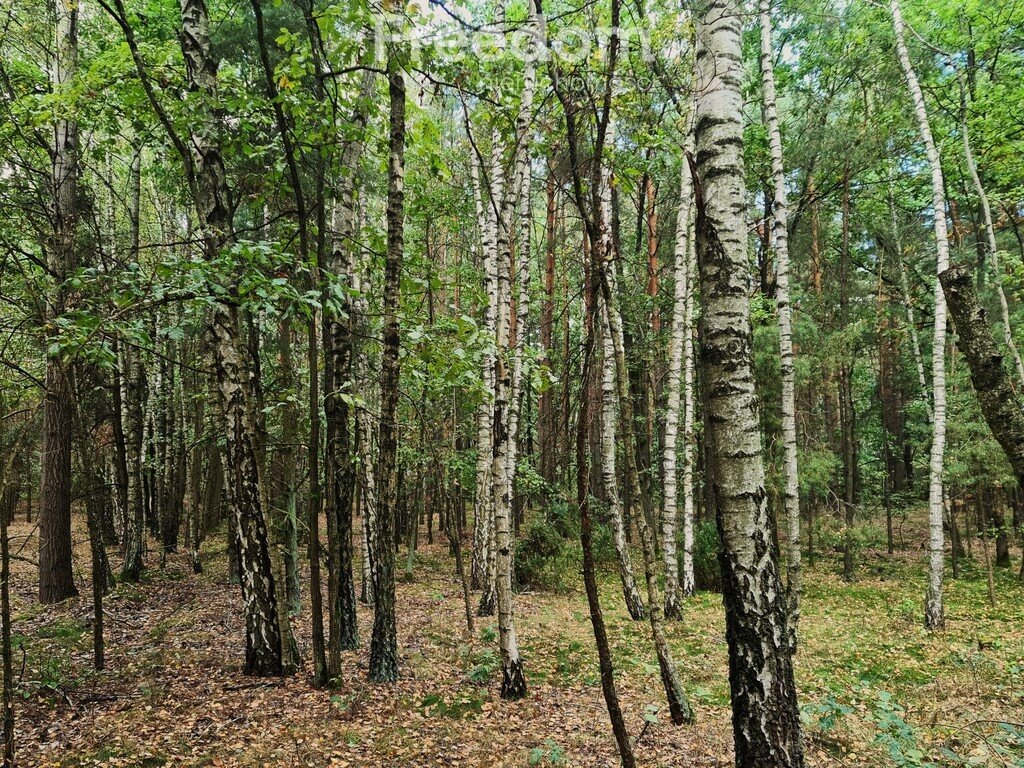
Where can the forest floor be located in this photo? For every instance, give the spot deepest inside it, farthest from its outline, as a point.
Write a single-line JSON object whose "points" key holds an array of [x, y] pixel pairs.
{"points": [[876, 688]]}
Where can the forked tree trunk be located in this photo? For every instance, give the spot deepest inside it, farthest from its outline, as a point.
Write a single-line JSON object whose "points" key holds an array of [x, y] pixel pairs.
{"points": [[766, 718], [679, 706], [933, 613], [509, 379], [780, 234]]}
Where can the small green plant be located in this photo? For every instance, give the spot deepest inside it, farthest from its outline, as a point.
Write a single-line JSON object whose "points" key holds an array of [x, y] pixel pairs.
{"points": [[895, 735], [485, 664], [456, 708], [825, 715], [540, 557], [548, 753]]}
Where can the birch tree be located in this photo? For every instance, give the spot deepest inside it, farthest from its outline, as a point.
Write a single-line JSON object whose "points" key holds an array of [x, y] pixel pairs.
{"points": [[990, 237], [678, 348], [933, 612], [766, 718], [780, 235], [205, 172]]}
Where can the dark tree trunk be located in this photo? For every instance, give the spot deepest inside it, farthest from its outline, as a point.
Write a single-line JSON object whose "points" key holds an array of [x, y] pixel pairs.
{"points": [[56, 580], [999, 403], [384, 642]]}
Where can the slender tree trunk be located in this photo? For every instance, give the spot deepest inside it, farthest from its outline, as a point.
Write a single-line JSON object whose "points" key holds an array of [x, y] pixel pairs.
{"points": [[6, 650], [213, 203], [674, 591], [780, 235], [766, 718], [933, 602], [611, 696], [689, 585], [509, 378], [384, 642], [482, 511], [679, 706]]}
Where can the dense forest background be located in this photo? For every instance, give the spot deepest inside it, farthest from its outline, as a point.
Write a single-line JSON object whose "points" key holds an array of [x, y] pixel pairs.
{"points": [[413, 385]]}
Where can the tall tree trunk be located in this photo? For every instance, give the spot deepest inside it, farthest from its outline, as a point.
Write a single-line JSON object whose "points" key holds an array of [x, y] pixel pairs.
{"points": [[689, 455], [6, 649], [212, 198], [609, 416], [482, 509], [933, 618], [677, 351], [384, 641], [766, 718], [56, 580], [583, 496], [679, 706], [780, 235]]}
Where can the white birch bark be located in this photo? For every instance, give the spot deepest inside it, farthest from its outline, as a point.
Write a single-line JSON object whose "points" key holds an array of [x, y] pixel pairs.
{"points": [[766, 717], [677, 344], [688, 585], [679, 706], [780, 235], [610, 412], [481, 505], [936, 544]]}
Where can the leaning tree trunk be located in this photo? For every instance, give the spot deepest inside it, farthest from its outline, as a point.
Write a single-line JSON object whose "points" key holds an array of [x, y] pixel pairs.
{"points": [[990, 232], [609, 416], [384, 641], [780, 233], [933, 613], [56, 580], [679, 706], [766, 718], [1002, 409]]}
